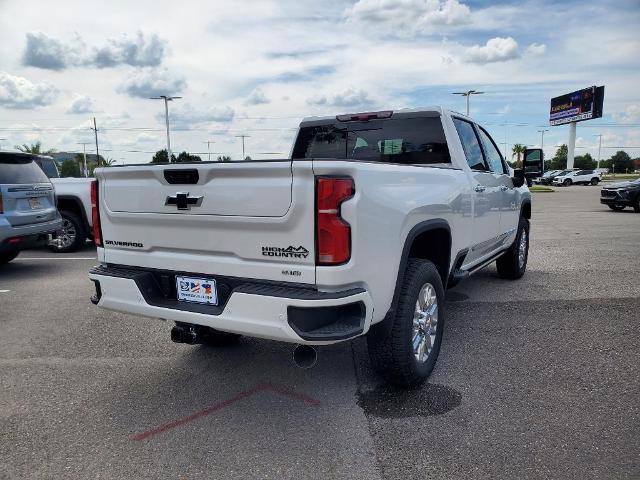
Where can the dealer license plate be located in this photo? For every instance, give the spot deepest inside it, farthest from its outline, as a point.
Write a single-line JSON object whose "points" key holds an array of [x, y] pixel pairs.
{"points": [[35, 204], [197, 290]]}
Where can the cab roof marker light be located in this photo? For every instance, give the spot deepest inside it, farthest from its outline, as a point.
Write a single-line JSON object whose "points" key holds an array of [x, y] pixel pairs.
{"points": [[364, 117]]}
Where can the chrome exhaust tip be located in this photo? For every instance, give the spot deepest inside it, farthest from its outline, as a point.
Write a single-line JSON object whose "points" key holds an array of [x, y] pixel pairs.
{"points": [[305, 356]]}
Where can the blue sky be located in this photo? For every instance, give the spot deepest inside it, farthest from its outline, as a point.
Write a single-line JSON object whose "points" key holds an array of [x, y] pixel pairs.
{"points": [[258, 67]]}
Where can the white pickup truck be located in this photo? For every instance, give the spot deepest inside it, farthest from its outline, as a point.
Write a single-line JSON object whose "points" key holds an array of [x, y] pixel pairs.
{"points": [[359, 232]]}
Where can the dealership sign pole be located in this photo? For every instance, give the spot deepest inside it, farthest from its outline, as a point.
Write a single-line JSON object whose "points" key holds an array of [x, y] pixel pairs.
{"points": [[575, 107]]}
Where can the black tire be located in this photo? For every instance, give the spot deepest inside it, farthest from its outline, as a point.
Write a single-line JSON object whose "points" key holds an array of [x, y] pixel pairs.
{"points": [[6, 257], [390, 346], [71, 220], [567, 182], [636, 204], [594, 181], [215, 338], [509, 264], [616, 208]]}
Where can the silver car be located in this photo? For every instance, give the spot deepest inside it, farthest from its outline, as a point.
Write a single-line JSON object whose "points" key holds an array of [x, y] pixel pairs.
{"points": [[28, 212]]}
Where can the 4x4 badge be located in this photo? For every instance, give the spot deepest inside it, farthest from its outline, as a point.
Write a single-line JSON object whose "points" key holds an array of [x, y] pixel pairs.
{"points": [[183, 201]]}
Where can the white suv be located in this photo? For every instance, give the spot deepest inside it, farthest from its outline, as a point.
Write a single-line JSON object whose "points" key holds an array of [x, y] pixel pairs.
{"points": [[586, 177]]}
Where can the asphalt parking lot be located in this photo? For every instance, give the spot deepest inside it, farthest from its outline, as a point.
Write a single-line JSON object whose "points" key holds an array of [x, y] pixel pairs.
{"points": [[536, 378]]}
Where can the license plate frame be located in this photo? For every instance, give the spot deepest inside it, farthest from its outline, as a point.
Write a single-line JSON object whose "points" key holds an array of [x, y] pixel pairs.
{"points": [[194, 290]]}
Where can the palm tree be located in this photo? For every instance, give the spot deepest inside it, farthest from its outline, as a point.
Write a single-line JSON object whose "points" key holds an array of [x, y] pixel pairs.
{"points": [[518, 149], [34, 148], [107, 162]]}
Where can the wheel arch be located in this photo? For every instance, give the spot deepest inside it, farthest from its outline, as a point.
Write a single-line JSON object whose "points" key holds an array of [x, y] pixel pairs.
{"points": [[74, 205], [525, 209]]}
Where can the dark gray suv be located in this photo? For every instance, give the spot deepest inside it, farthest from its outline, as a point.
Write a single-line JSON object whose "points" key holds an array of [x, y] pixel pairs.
{"points": [[28, 212]]}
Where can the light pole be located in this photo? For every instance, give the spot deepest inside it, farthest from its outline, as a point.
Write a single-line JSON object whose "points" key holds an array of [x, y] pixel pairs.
{"points": [[542, 143], [84, 156], [467, 94], [243, 137], [599, 148], [209, 142], [166, 99]]}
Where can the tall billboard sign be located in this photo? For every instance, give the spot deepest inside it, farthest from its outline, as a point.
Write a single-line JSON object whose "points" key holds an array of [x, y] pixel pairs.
{"points": [[577, 106]]}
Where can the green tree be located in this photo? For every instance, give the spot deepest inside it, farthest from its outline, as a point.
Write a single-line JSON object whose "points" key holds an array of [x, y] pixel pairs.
{"points": [[161, 156], [69, 168], [620, 162], [224, 158], [517, 151], [585, 161], [559, 161], [187, 157], [35, 148]]}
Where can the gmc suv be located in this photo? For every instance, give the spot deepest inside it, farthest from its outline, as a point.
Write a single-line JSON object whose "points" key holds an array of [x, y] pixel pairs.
{"points": [[359, 232], [28, 213]]}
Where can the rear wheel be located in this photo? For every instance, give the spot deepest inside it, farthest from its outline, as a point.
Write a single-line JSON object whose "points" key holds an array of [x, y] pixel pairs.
{"points": [[405, 352], [6, 257], [617, 208], [594, 181], [513, 263], [71, 236]]}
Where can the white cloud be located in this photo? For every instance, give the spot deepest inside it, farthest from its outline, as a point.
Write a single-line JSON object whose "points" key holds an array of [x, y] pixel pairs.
{"points": [[145, 83], [536, 49], [497, 49], [20, 93], [43, 51], [185, 116], [81, 104], [257, 97], [630, 114], [351, 97], [406, 17]]}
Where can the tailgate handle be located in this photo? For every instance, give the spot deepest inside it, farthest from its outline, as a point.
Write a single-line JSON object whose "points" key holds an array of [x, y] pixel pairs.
{"points": [[187, 176]]}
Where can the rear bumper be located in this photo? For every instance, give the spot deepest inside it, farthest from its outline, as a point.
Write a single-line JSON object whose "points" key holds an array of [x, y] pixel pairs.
{"points": [[274, 311], [27, 236]]}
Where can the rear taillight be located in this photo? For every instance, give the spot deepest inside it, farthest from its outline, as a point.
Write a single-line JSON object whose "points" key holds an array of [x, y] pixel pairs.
{"points": [[333, 234], [95, 214]]}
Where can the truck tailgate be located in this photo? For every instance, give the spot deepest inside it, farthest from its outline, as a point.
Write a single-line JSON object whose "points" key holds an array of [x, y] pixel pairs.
{"points": [[244, 219]]}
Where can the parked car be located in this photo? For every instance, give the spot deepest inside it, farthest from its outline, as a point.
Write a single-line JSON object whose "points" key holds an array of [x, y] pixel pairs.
{"points": [[28, 213], [585, 177], [360, 232], [618, 196], [74, 205], [548, 180], [540, 180]]}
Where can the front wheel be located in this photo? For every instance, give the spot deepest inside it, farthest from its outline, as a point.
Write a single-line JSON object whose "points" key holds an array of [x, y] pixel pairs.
{"points": [[636, 204], [566, 183], [6, 257], [513, 263], [405, 352]]}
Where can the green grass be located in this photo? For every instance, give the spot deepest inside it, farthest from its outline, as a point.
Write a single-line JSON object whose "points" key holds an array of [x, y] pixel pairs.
{"points": [[540, 188]]}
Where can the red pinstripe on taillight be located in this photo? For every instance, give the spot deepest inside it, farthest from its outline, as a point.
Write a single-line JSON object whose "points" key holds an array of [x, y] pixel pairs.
{"points": [[95, 214], [333, 234]]}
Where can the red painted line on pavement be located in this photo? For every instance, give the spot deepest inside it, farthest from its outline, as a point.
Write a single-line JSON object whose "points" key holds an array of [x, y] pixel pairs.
{"points": [[222, 405]]}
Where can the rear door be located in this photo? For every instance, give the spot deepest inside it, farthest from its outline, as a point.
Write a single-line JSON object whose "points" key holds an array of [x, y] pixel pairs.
{"points": [[26, 192], [509, 204], [487, 193]]}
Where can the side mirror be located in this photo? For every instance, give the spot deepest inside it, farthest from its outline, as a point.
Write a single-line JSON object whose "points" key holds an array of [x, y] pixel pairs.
{"points": [[533, 163], [518, 177]]}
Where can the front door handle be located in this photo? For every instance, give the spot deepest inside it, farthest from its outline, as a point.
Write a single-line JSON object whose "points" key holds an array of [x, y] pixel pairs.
{"points": [[479, 188]]}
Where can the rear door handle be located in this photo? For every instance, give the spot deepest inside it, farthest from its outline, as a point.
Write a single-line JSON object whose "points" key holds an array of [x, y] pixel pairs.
{"points": [[479, 188]]}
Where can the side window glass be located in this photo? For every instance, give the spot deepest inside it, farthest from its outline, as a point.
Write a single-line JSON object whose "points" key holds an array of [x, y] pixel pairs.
{"points": [[494, 159], [470, 144]]}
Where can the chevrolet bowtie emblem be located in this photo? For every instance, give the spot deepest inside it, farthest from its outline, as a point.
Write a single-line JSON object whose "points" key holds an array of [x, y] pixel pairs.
{"points": [[183, 201]]}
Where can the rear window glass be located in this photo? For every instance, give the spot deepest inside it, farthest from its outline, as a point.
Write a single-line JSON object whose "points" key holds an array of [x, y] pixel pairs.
{"points": [[413, 141], [18, 169], [48, 166]]}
